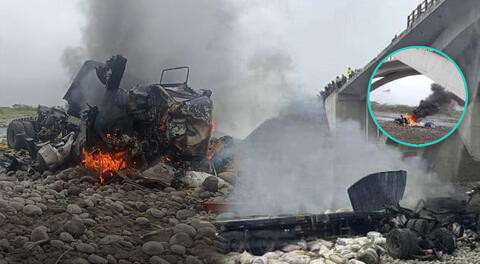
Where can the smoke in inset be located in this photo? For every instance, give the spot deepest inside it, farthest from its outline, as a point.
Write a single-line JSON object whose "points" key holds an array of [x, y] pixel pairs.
{"points": [[250, 78], [439, 99], [294, 164]]}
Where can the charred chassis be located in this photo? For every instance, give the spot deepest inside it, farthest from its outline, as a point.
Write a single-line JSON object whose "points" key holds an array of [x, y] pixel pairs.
{"points": [[431, 228]]}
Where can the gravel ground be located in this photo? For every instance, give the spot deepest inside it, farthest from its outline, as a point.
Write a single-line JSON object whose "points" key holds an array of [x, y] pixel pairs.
{"points": [[413, 134], [358, 250], [68, 217], [462, 255]]}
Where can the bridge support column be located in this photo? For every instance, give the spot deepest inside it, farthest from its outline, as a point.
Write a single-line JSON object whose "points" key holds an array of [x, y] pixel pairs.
{"points": [[349, 108]]}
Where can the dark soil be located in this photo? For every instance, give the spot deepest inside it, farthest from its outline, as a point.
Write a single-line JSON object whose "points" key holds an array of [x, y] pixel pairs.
{"points": [[413, 134]]}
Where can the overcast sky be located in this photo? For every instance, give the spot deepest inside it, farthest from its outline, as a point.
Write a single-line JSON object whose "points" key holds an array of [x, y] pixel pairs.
{"points": [[322, 37], [407, 91]]}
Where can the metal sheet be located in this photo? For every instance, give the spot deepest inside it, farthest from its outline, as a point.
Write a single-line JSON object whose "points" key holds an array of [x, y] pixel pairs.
{"points": [[377, 191], [87, 89]]}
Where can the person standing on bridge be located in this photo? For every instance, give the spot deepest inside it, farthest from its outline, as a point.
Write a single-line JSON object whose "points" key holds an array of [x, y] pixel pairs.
{"points": [[338, 82], [350, 73], [344, 79]]}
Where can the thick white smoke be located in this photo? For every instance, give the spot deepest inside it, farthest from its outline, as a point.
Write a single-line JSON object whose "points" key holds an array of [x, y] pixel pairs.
{"points": [[293, 163]]}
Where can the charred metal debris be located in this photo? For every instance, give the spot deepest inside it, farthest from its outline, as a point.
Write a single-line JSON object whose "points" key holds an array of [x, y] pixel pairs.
{"points": [[427, 232], [115, 121]]}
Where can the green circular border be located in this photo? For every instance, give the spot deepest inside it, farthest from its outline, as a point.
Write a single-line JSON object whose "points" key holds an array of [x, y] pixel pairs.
{"points": [[446, 135]]}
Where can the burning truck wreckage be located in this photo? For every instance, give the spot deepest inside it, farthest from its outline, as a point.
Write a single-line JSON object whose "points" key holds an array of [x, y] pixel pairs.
{"points": [[157, 139]]}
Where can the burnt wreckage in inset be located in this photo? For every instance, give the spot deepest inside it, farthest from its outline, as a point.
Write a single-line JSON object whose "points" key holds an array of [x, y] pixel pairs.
{"points": [[121, 116]]}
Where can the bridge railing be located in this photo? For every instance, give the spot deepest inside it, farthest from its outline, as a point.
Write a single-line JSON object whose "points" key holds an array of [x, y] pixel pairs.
{"points": [[421, 9]]}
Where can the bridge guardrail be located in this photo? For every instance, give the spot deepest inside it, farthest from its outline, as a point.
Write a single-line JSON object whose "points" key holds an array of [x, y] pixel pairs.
{"points": [[421, 9]]}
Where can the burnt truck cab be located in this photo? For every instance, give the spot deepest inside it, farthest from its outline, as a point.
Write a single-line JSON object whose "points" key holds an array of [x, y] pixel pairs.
{"points": [[123, 113]]}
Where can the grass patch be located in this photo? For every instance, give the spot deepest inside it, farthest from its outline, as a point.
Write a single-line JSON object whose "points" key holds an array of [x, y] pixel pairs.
{"points": [[403, 109], [398, 108], [7, 114]]}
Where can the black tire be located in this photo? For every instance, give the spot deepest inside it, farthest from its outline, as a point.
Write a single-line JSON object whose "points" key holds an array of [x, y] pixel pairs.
{"points": [[443, 240], [236, 242], [421, 226], [262, 242], [29, 129], [402, 243], [418, 225], [14, 129], [369, 256]]}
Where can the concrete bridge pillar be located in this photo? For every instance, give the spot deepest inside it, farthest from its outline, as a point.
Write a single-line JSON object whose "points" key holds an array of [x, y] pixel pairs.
{"points": [[344, 107]]}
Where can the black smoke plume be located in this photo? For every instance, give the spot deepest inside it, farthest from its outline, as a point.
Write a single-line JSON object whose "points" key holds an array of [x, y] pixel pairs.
{"points": [[250, 80], [439, 99]]}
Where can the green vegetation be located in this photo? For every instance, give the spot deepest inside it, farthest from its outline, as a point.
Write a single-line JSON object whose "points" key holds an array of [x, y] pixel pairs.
{"points": [[403, 109], [7, 114], [398, 108]]}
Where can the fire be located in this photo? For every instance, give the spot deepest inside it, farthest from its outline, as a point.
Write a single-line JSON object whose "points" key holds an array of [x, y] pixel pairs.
{"points": [[412, 119], [211, 151], [104, 163], [212, 146]]}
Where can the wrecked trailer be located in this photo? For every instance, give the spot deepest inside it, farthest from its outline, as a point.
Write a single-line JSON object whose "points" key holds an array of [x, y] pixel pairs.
{"points": [[262, 234], [420, 233]]}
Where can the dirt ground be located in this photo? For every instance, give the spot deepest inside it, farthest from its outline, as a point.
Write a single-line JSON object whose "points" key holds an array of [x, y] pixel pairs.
{"points": [[414, 135]]}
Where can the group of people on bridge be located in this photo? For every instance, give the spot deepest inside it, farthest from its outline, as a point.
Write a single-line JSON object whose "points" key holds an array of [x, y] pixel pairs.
{"points": [[337, 83]]}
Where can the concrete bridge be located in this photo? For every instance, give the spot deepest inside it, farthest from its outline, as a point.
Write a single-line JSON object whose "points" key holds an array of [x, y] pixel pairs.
{"points": [[450, 26], [418, 61]]}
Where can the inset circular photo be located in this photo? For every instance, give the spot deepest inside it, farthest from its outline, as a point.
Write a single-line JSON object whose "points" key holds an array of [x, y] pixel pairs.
{"points": [[417, 96]]}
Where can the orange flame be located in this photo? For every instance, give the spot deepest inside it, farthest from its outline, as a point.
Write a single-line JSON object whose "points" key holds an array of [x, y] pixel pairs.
{"points": [[412, 119], [104, 163], [212, 146], [211, 151]]}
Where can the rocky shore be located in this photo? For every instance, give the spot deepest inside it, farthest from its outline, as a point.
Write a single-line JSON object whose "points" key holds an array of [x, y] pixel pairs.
{"points": [[68, 217]]}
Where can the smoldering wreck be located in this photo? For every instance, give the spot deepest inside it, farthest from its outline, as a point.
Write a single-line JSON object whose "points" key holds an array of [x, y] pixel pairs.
{"points": [[120, 123], [159, 137]]}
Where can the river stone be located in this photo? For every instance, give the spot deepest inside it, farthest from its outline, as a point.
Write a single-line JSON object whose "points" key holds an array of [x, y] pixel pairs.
{"points": [[181, 238], [158, 260], [207, 231], [184, 214], [152, 248], [75, 227], [185, 228], [96, 259], [39, 233], [142, 221], [58, 244], [178, 249], [110, 239], [66, 237], [74, 209], [32, 210], [3, 219], [193, 260], [85, 248], [155, 213], [210, 184]]}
